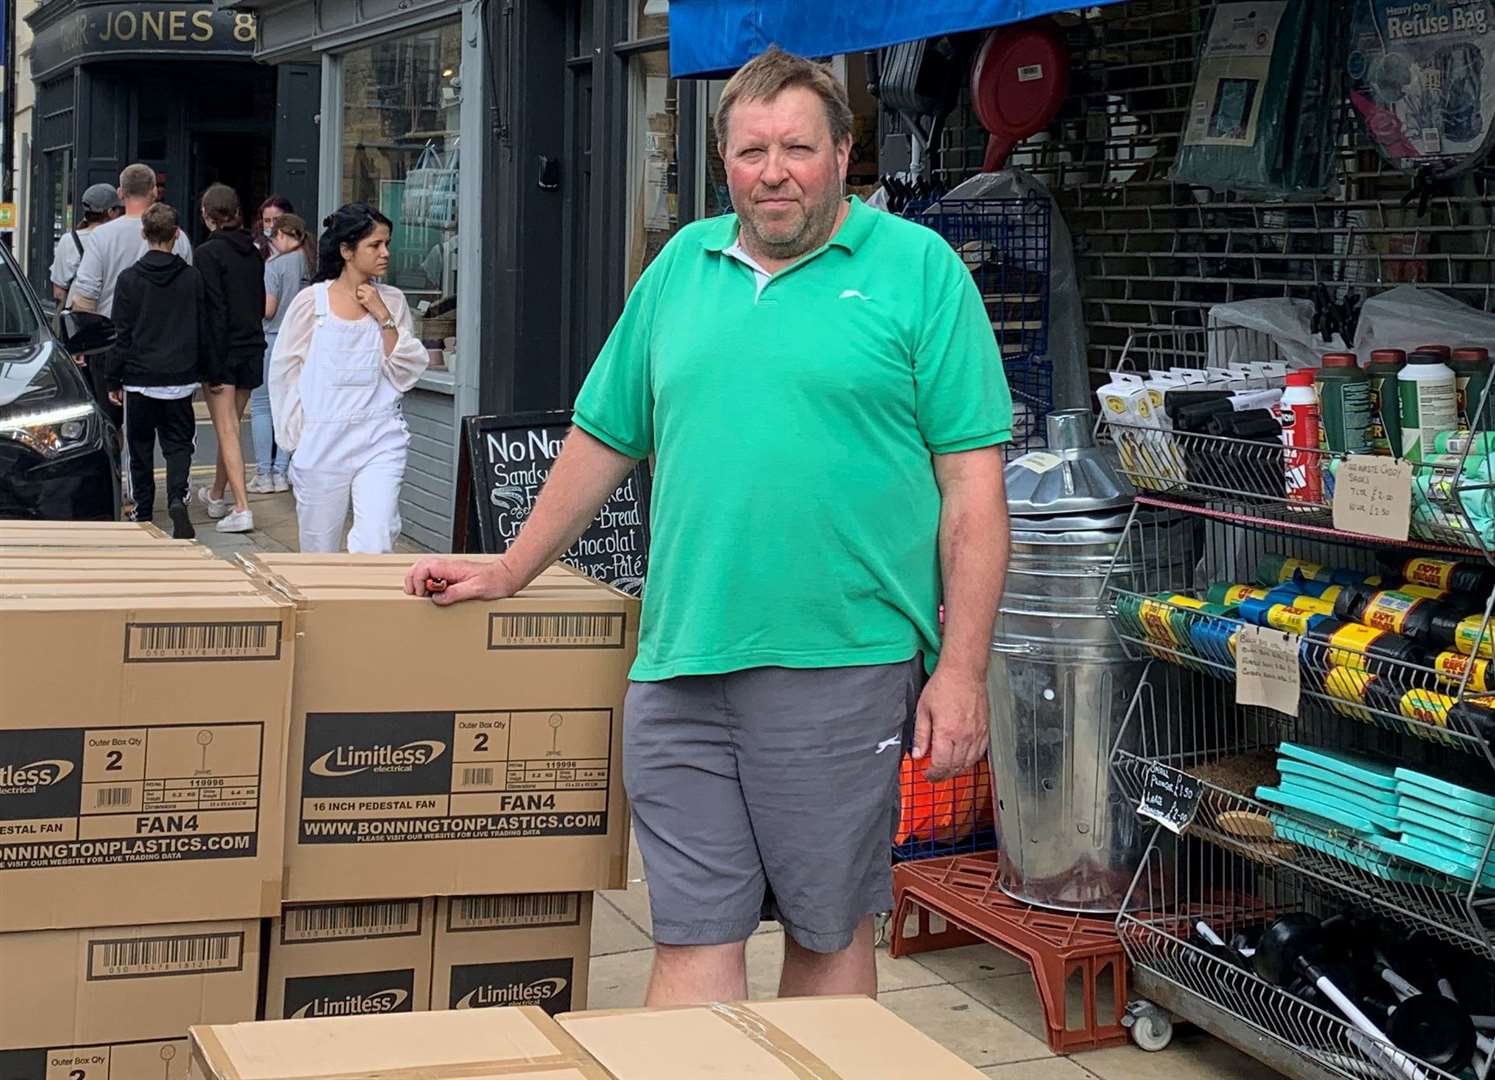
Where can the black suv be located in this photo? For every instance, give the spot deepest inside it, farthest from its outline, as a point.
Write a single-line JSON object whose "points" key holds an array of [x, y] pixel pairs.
{"points": [[57, 447]]}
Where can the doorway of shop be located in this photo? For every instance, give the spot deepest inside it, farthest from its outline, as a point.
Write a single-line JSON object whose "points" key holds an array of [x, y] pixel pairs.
{"points": [[240, 159]]}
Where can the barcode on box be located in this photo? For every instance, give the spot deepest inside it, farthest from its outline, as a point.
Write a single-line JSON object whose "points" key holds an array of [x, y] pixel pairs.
{"points": [[148, 642], [509, 912], [556, 631], [180, 954], [105, 798], [375, 919], [477, 777]]}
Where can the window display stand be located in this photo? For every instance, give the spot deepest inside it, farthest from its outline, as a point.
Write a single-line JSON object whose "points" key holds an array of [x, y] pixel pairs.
{"points": [[1241, 856]]}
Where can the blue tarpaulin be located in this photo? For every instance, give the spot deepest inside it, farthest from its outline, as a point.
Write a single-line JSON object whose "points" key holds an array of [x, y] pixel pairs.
{"points": [[716, 36]]}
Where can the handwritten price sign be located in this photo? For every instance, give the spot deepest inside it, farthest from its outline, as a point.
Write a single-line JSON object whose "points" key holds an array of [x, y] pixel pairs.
{"points": [[1267, 671], [1373, 496]]}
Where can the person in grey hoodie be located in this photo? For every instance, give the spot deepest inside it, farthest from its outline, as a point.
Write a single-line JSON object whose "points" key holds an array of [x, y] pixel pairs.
{"points": [[233, 277]]}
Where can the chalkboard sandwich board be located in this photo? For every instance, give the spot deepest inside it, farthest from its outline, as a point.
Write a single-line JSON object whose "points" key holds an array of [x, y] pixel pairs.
{"points": [[504, 462]]}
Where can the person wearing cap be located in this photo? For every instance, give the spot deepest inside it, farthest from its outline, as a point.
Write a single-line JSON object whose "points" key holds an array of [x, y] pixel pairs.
{"points": [[100, 204], [820, 389]]}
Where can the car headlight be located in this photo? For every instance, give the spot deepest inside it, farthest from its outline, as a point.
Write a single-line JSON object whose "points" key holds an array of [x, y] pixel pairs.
{"points": [[52, 433]]}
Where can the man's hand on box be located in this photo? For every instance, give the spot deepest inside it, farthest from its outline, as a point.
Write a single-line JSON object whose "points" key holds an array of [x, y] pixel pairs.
{"points": [[950, 729], [450, 581]]}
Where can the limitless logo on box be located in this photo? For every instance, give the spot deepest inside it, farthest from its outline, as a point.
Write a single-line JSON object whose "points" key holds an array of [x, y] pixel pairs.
{"points": [[546, 983], [39, 775], [377, 754], [362, 993], [351, 760]]}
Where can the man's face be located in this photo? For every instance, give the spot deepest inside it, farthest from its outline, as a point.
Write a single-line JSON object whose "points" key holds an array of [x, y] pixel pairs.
{"points": [[785, 172]]}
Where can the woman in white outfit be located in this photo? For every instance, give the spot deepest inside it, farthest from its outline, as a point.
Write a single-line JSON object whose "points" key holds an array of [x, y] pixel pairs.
{"points": [[345, 356]]}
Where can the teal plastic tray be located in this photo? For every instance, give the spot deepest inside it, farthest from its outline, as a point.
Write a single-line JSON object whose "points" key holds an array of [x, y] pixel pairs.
{"points": [[1361, 855], [1382, 815], [1449, 863], [1386, 796], [1436, 818], [1363, 770], [1443, 787], [1338, 814], [1466, 813], [1423, 835]]}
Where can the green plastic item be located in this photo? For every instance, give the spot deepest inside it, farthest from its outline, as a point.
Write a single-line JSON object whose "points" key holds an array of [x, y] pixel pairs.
{"points": [[1436, 857], [1429, 816], [1359, 854], [1342, 784], [1433, 783], [1466, 813], [1362, 770], [1411, 832], [1338, 814], [1382, 815]]}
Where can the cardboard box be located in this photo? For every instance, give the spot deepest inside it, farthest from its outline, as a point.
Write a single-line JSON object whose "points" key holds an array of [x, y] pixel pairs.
{"points": [[116, 1003], [166, 549], [372, 956], [849, 1038], [527, 949], [454, 751], [165, 571], [72, 538], [431, 1045], [79, 528], [142, 753]]}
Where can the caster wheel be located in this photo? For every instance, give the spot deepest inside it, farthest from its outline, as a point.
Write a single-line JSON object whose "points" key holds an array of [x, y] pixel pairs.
{"points": [[1152, 1032]]}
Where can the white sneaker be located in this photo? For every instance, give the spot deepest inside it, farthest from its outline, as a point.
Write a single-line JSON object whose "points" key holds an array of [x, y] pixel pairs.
{"points": [[260, 485], [239, 521], [216, 507], [281, 482]]}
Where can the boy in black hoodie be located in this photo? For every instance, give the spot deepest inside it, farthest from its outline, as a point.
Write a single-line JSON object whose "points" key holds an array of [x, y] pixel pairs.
{"points": [[157, 360]]}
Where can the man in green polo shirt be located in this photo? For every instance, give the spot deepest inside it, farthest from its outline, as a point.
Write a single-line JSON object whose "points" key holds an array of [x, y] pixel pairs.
{"points": [[820, 386]]}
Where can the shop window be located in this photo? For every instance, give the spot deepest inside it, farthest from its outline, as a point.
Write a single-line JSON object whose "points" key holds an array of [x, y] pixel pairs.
{"points": [[651, 18], [654, 197], [402, 99], [715, 198], [151, 118]]}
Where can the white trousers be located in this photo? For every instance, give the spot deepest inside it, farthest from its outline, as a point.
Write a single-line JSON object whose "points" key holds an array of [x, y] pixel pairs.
{"points": [[326, 488]]}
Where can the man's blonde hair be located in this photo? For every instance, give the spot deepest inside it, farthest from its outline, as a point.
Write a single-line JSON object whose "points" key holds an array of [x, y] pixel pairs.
{"points": [[137, 182], [769, 74]]}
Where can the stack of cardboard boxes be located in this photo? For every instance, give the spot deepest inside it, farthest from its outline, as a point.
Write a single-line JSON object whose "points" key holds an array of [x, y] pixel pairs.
{"points": [[420, 821], [454, 790], [146, 692]]}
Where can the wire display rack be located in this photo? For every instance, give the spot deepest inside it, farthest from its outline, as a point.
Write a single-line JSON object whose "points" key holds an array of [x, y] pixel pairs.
{"points": [[1247, 853], [1454, 498], [1005, 243]]}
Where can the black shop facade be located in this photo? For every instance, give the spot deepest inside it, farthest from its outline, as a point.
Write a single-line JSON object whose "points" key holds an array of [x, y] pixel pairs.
{"points": [[172, 85]]}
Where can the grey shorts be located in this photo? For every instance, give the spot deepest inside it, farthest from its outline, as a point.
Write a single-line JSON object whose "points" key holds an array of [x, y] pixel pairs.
{"points": [[770, 793]]}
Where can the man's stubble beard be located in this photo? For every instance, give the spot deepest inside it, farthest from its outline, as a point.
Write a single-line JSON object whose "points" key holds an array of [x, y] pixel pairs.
{"points": [[819, 224]]}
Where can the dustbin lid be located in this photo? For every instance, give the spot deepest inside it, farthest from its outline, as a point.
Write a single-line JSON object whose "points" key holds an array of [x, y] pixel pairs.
{"points": [[1071, 476]]}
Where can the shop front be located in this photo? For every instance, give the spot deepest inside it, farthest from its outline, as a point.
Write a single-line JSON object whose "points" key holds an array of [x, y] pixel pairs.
{"points": [[110, 81], [533, 157]]}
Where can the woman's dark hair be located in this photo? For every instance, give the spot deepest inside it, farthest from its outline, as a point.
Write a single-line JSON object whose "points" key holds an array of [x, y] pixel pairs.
{"points": [[347, 224], [220, 205], [295, 228], [279, 202]]}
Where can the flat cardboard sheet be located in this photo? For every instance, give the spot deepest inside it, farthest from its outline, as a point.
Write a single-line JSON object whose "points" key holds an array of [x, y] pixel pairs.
{"points": [[848, 1038], [510, 1043]]}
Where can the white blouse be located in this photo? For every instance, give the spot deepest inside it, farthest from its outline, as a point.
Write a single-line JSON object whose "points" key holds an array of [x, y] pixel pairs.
{"points": [[403, 367]]}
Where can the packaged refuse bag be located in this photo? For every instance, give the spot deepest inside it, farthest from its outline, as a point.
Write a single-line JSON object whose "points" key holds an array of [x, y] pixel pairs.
{"points": [[1422, 77], [1263, 117]]}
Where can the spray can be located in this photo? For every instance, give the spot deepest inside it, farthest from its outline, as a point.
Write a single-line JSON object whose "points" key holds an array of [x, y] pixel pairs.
{"points": [[1300, 434], [1471, 369], [1427, 392], [1344, 402], [1385, 433]]}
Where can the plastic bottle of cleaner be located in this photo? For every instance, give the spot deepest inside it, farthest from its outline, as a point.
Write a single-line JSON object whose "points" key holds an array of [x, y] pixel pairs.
{"points": [[1344, 403], [1385, 422], [1300, 434], [1471, 370], [1427, 391]]}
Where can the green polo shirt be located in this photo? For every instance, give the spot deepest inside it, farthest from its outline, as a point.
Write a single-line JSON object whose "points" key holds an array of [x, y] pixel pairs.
{"points": [[795, 517]]}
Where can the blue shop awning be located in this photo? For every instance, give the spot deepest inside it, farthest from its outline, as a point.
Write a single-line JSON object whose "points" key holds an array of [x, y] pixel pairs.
{"points": [[717, 36]]}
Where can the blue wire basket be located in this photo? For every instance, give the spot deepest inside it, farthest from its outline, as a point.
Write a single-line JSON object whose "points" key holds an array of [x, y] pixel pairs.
{"points": [[956, 818], [1005, 243]]}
